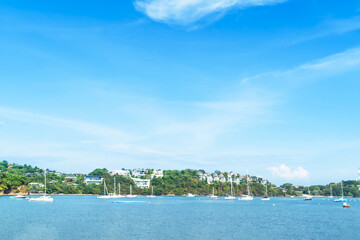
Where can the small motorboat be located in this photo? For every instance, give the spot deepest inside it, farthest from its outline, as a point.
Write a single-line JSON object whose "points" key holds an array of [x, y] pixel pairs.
{"points": [[18, 196], [346, 205]]}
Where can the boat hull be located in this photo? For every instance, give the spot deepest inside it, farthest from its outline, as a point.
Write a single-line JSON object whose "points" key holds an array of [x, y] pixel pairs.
{"points": [[131, 196], [230, 198], [246, 198], [340, 200], [41, 199], [109, 196]]}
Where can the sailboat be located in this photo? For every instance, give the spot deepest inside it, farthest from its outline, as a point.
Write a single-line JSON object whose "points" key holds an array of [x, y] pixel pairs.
{"points": [[106, 193], [331, 196], [43, 198], [265, 198], [131, 195], [247, 197], [309, 197], [120, 192], [111, 195], [342, 199], [230, 196], [213, 194], [152, 192]]}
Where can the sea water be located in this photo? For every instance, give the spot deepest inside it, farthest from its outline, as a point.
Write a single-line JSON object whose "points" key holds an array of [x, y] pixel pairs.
{"points": [[86, 217]]}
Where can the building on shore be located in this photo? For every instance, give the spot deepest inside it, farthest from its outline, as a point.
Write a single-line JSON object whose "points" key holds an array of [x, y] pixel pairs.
{"points": [[139, 172], [93, 179], [34, 184], [121, 172], [157, 174], [141, 183]]}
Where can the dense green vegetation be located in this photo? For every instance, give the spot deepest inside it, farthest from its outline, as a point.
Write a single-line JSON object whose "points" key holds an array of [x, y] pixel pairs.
{"points": [[25, 178]]}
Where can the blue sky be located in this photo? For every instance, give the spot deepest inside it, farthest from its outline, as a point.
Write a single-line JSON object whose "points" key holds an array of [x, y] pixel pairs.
{"points": [[266, 85]]}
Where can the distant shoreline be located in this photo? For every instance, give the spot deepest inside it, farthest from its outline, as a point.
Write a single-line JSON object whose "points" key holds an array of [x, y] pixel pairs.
{"points": [[9, 195]]}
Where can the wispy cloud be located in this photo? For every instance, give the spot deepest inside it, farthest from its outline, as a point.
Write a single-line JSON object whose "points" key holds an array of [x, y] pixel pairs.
{"points": [[330, 27], [287, 173], [185, 12], [82, 126], [313, 71]]}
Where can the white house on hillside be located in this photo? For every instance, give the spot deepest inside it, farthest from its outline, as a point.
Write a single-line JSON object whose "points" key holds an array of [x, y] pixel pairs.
{"points": [[121, 172], [139, 172], [93, 179], [157, 173], [141, 183]]}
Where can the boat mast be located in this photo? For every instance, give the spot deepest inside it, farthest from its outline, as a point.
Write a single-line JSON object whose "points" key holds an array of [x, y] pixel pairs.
{"points": [[231, 187], [213, 191], [152, 190], [119, 189], [45, 182], [266, 192], [106, 192], [114, 186], [330, 191], [342, 190], [247, 181], [130, 190]]}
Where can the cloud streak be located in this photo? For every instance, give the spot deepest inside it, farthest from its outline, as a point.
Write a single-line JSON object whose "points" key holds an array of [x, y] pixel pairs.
{"points": [[324, 68], [81, 126], [330, 27], [184, 12]]}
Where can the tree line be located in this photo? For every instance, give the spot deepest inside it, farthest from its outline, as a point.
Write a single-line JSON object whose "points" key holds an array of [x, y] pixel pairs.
{"points": [[174, 182]]}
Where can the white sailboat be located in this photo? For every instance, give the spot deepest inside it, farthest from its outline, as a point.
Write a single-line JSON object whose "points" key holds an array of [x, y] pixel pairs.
{"points": [[213, 194], [266, 198], [111, 195], [190, 195], [152, 192], [43, 198], [342, 199], [247, 197], [309, 197], [230, 196], [131, 195], [106, 193], [120, 191]]}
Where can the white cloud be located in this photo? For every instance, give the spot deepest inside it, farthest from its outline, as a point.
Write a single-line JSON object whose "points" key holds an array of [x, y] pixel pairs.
{"points": [[189, 11], [286, 172]]}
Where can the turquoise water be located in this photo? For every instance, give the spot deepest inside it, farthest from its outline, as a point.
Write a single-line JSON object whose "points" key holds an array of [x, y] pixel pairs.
{"points": [[86, 217]]}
